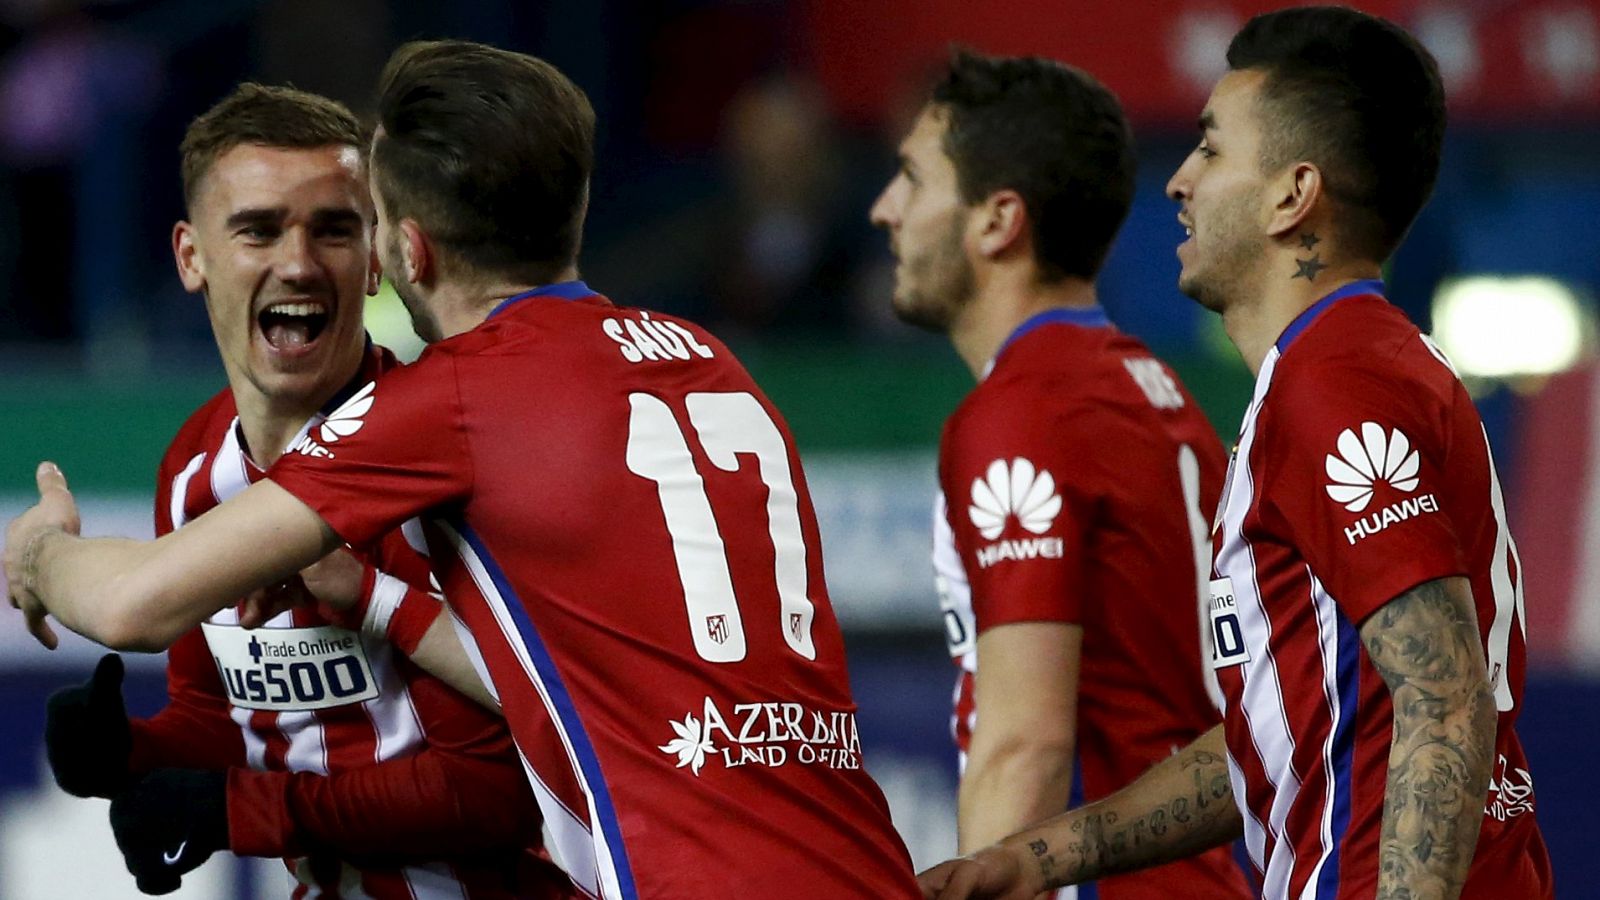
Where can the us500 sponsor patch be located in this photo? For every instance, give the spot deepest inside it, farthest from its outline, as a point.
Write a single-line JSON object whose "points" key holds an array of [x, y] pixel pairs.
{"points": [[291, 669]]}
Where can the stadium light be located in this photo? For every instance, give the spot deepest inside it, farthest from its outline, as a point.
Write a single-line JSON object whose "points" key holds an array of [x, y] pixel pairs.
{"points": [[1502, 327]]}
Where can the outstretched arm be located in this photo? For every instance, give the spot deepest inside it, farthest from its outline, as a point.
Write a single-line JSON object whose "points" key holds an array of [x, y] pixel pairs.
{"points": [[142, 595], [1182, 806], [1426, 645]]}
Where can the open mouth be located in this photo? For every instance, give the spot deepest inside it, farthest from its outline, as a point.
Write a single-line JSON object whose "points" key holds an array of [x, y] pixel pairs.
{"points": [[292, 326]]}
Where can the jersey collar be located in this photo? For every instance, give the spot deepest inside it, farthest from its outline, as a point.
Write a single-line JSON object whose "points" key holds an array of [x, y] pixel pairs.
{"points": [[561, 290], [1082, 316], [1353, 289]]}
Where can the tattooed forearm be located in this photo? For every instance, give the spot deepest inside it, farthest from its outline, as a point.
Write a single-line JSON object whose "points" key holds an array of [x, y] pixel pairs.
{"points": [[1425, 644], [1180, 807]]}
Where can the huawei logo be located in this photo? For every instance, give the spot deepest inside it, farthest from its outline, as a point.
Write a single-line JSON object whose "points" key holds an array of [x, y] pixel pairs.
{"points": [[346, 420], [1017, 490], [1370, 458]]}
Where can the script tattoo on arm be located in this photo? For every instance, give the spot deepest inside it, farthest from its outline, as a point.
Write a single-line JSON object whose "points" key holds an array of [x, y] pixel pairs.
{"points": [[1426, 646], [1180, 807]]}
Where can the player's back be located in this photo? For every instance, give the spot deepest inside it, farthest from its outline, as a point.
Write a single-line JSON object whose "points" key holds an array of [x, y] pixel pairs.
{"points": [[639, 544], [1138, 469]]}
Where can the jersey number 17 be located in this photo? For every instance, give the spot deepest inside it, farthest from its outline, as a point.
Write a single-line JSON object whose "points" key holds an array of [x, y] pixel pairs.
{"points": [[727, 424]]}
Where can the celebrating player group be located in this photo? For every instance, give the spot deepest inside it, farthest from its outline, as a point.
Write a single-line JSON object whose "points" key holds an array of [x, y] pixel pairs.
{"points": [[543, 613]]}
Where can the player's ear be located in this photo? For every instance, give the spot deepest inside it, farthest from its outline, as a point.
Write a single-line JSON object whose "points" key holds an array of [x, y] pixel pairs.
{"points": [[1296, 194], [416, 253], [191, 266], [374, 272], [1002, 217]]}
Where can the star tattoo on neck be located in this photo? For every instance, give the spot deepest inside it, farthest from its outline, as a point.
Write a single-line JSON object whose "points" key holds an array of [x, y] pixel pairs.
{"points": [[1309, 240], [1309, 268]]}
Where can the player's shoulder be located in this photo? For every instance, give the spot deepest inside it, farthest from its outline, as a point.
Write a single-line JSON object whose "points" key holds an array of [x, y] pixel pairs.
{"points": [[203, 430], [1363, 348]]}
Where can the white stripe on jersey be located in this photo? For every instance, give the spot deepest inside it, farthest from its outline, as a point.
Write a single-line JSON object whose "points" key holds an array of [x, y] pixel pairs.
{"points": [[1273, 744], [228, 475], [1327, 619], [433, 880], [603, 879], [180, 490]]}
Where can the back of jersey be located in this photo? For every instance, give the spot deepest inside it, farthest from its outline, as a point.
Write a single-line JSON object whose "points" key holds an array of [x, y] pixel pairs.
{"points": [[641, 571]]}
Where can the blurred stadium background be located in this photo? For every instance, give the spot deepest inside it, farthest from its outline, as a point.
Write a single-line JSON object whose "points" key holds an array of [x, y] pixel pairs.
{"points": [[741, 142]]}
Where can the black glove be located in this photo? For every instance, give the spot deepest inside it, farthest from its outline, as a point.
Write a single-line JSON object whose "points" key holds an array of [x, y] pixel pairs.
{"points": [[86, 733], [168, 823]]}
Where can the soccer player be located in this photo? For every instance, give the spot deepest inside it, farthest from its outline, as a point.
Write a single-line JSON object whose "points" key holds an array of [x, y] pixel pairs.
{"points": [[1366, 597], [611, 505], [1077, 480], [301, 739]]}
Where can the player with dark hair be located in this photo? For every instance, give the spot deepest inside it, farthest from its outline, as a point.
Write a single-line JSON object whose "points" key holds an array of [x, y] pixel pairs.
{"points": [[1080, 475], [613, 508], [301, 738], [1366, 600]]}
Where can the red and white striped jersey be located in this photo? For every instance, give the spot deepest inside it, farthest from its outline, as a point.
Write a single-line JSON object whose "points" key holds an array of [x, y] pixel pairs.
{"points": [[620, 518], [1080, 479], [1362, 471], [414, 769]]}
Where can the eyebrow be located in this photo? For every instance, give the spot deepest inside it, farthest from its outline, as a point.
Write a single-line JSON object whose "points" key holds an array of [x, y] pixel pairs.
{"points": [[258, 216], [1207, 121], [322, 217]]}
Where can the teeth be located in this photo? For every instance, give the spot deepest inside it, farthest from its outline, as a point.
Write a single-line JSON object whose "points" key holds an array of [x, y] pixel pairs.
{"points": [[297, 309], [1188, 232]]}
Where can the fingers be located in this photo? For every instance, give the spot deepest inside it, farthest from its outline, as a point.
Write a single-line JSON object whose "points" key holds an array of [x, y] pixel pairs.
{"points": [[40, 628]]}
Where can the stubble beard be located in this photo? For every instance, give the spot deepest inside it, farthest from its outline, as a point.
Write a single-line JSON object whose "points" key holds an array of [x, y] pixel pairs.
{"points": [[945, 282], [422, 320], [1217, 281]]}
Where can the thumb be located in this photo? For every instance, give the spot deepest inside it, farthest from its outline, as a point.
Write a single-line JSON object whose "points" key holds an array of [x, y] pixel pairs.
{"points": [[50, 478], [107, 681]]}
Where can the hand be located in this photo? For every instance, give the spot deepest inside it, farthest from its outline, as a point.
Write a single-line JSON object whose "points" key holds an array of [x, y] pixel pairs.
{"points": [[994, 873], [55, 511], [168, 823], [335, 580], [263, 604], [86, 733]]}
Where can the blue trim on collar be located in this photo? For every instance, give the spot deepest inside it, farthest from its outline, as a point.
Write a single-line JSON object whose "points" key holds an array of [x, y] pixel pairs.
{"points": [[1353, 289], [561, 290], [1084, 317]]}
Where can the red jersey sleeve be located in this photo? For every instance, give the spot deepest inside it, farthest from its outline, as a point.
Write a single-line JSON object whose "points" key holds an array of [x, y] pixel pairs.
{"points": [[193, 730], [1354, 466], [1019, 508], [397, 447], [435, 803]]}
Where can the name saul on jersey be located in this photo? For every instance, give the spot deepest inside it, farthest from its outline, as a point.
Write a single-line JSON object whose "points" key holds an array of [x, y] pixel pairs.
{"points": [[1365, 461], [1024, 493]]}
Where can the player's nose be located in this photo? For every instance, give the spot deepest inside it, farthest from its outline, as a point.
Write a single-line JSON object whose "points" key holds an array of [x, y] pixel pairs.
{"points": [[296, 259]]}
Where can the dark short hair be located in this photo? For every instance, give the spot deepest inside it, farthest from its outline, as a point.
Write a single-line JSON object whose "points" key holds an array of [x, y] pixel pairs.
{"points": [[1360, 98], [490, 151], [268, 115], [1053, 134]]}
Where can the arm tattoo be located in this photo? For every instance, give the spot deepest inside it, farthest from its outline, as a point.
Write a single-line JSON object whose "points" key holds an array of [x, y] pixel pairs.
{"points": [[1103, 841], [1428, 650]]}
